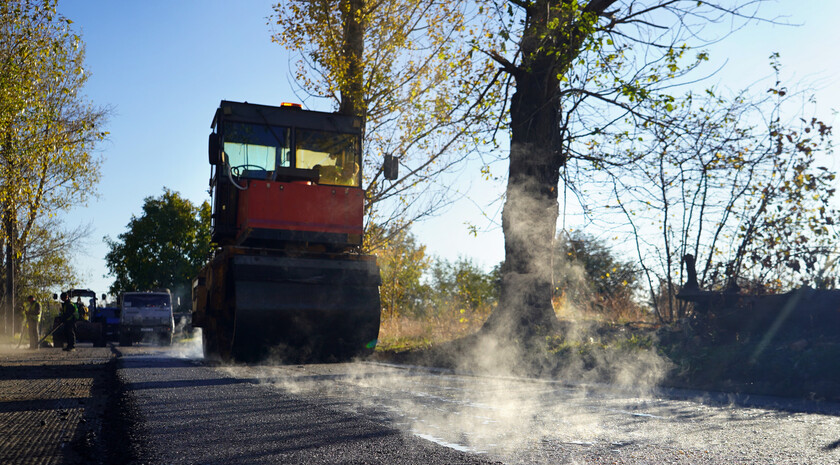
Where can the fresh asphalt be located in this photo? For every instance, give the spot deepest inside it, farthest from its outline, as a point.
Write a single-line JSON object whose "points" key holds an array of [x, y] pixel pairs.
{"points": [[184, 410], [189, 412], [151, 405]]}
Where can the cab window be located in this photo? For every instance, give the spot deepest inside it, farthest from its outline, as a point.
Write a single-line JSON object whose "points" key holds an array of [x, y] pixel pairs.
{"points": [[255, 150], [335, 156]]}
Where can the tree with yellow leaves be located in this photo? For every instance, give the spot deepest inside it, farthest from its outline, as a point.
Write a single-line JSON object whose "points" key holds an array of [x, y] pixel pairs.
{"points": [[402, 263], [47, 127], [411, 70]]}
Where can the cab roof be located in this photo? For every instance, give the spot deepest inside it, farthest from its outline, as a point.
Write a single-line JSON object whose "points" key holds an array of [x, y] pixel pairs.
{"points": [[286, 116]]}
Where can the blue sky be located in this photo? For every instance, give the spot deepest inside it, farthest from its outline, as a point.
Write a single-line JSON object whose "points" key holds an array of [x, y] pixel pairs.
{"points": [[163, 67]]}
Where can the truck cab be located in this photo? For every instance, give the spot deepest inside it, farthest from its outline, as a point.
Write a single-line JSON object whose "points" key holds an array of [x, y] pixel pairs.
{"points": [[145, 316]]}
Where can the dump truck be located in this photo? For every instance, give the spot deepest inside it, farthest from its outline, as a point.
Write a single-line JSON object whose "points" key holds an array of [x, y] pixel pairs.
{"points": [[287, 278], [146, 316]]}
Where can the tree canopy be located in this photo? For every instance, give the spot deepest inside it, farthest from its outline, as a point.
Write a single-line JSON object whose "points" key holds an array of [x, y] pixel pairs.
{"points": [[409, 68], [164, 247]]}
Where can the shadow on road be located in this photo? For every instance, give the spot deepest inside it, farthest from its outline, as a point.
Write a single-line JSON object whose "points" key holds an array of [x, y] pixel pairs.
{"points": [[780, 404], [832, 446], [191, 383]]}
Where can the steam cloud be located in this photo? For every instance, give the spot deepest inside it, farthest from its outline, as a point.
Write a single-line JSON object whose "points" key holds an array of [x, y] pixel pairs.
{"points": [[496, 408]]}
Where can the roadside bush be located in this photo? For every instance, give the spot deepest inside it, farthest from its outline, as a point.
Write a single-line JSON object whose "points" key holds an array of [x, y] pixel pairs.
{"points": [[454, 301], [402, 263], [592, 283]]}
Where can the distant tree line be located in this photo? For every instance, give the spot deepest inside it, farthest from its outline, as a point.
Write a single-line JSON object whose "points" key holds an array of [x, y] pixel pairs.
{"points": [[591, 281]]}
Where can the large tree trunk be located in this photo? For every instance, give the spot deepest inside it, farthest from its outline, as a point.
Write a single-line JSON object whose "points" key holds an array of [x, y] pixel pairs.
{"points": [[352, 92], [529, 217]]}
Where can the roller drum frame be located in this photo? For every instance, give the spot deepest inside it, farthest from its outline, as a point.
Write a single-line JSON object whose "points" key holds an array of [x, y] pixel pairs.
{"points": [[263, 304]]}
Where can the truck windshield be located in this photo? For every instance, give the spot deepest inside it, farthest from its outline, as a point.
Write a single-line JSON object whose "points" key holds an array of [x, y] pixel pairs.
{"points": [[335, 156], [147, 300], [254, 150]]}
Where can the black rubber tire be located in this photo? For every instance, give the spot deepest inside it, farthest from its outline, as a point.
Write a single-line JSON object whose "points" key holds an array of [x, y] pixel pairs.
{"points": [[222, 333], [225, 346]]}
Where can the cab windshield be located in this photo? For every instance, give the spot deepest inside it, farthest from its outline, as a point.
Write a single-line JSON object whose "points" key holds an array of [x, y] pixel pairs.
{"points": [[335, 156], [253, 151], [147, 300], [256, 151]]}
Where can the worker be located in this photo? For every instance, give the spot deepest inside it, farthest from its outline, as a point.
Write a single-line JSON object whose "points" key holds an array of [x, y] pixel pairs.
{"points": [[32, 313], [84, 313], [346, 169], [69, 316], [349, 172]]}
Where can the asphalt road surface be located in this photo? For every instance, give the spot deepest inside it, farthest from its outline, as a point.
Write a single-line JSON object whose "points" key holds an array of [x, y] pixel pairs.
{"points": [[184, 410]]}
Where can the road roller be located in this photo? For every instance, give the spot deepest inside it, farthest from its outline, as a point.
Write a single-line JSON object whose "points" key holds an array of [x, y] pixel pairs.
{"points": [[287, 280]]}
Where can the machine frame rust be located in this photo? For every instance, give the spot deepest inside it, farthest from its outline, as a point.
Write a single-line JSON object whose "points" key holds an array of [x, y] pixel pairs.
{"points": [[287, 278]]}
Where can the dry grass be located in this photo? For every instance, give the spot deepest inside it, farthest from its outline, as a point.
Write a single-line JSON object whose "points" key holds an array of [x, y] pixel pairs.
{"points": [[404, 333], [619, 311]]}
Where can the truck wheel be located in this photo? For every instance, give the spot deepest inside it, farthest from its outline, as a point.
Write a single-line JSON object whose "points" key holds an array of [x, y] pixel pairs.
{"points": [[216, 336], [125, 340], [166, 339]]}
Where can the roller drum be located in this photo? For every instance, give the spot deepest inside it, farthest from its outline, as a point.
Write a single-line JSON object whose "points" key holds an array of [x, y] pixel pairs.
{"points": [[299, 309]]}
